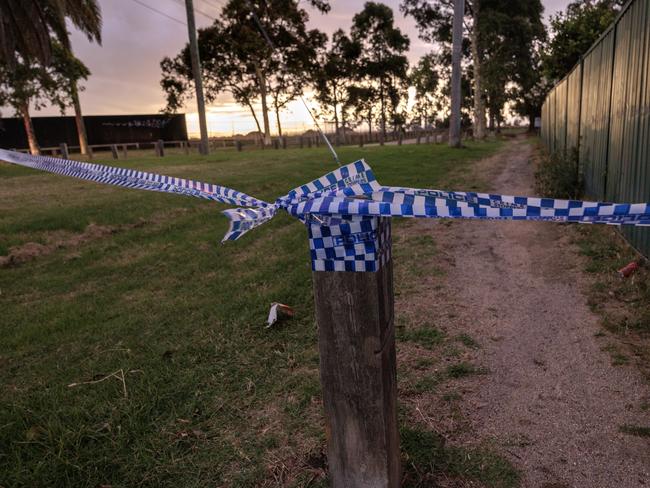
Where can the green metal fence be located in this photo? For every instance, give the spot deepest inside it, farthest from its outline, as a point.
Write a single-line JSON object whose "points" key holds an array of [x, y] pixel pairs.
{"points": [[602, 110]]}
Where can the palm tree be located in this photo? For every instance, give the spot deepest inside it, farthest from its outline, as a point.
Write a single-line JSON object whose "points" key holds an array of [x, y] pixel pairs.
{"points": [[27, 29]]}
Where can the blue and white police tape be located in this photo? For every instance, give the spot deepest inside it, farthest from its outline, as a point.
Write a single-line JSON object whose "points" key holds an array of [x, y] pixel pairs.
{"points": [[346, 210]]}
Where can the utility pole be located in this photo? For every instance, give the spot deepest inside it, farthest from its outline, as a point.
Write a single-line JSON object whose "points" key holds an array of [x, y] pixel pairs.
{"points": [[454, 120], [198, 82]]}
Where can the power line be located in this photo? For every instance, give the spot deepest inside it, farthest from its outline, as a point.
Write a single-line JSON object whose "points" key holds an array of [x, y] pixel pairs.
{"points": [[180, 2], [302, 99], [160, 12]]}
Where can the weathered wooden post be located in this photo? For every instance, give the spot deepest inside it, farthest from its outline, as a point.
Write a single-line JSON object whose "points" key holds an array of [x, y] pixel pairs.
{"points": [[114, 151], [276, 143], [64, 150], [356, 340], [239, 145], [186, 147], [125, 151], [302, 144], [284, 142], [160, 148], [361, 137], [309, 142]]}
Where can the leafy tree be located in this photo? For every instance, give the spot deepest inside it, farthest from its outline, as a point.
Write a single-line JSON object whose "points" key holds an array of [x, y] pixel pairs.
{"points": [[363, 100], [236, 56], [425, 79], [510, 39], [31, 32], [27, 83], [337, 70], [573, 33], [434, 20], [26, 25], [382, 63]]}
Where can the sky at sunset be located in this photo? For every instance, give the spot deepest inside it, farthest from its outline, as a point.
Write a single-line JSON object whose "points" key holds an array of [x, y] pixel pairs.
{"points": [[126, 73]]}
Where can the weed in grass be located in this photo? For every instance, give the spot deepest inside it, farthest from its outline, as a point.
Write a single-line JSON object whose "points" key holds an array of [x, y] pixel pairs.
{"points": [[618, 358], [635, 430], [427, 384], [426, 336], [451, 397], [424, 363], [428, 458], [468, 341], [462, 370]]}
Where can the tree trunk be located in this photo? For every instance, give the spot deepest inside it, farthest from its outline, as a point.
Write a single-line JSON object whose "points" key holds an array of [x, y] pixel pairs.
{"points": [[491, 120], [383, 112], [277, 119], [479, 103], [257, 122], [336, 120], [29, 130], [261, 80], [454, 119], [531, 123], [79, 120]]}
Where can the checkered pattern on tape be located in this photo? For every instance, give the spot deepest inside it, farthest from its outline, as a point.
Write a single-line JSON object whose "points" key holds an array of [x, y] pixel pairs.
{"points": [[130, 178], [349, 243], [346, 210]]}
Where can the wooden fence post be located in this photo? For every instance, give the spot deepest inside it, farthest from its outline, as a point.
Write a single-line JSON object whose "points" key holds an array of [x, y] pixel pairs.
{"points": [[284, 142], [160, 148], [276, 143], [125, 151], [301, 142], [428, 138], [239, 145], [309, 142], [114, 151], [64, 150], [186, 147], [356, 340], [400, 137]]}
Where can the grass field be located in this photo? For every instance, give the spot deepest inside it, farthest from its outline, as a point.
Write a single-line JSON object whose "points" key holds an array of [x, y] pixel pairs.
{"points": [[105, 280]]}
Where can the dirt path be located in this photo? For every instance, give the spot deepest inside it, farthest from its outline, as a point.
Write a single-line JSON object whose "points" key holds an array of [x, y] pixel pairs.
{"points": [[552, 401]]}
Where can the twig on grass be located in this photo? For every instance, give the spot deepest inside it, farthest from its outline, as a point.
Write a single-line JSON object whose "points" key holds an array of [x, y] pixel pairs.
{"points": [[119, 374]]}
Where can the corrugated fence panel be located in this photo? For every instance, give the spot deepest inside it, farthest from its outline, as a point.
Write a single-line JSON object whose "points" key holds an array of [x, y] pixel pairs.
{"points": [[617, 133], [560, 116], [574, 101], [603, 108], [633, 181], [594, 127]]}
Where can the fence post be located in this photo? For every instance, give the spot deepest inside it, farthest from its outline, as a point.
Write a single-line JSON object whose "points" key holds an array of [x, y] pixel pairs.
{"points": [[418, 137], [361, 137], [276, 143], [400, 137], [309, 142], [356, 340], [114, 151], [125, 151], [64, 150], [239, 145], [160, 148], [301, 142], [186, 147], [428, 138], [284, 142]]}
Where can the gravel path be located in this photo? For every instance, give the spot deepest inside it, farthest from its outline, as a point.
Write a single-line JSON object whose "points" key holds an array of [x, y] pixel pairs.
{"points": [[552, 400]]}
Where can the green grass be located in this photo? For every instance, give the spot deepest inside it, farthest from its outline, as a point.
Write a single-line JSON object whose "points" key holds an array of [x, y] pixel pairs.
{"points": [[212, 397], [427, 456], [635, 430]]}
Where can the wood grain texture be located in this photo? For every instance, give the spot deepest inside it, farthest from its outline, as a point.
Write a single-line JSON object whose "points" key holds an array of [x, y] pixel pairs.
{"points": [[354, 312]]}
